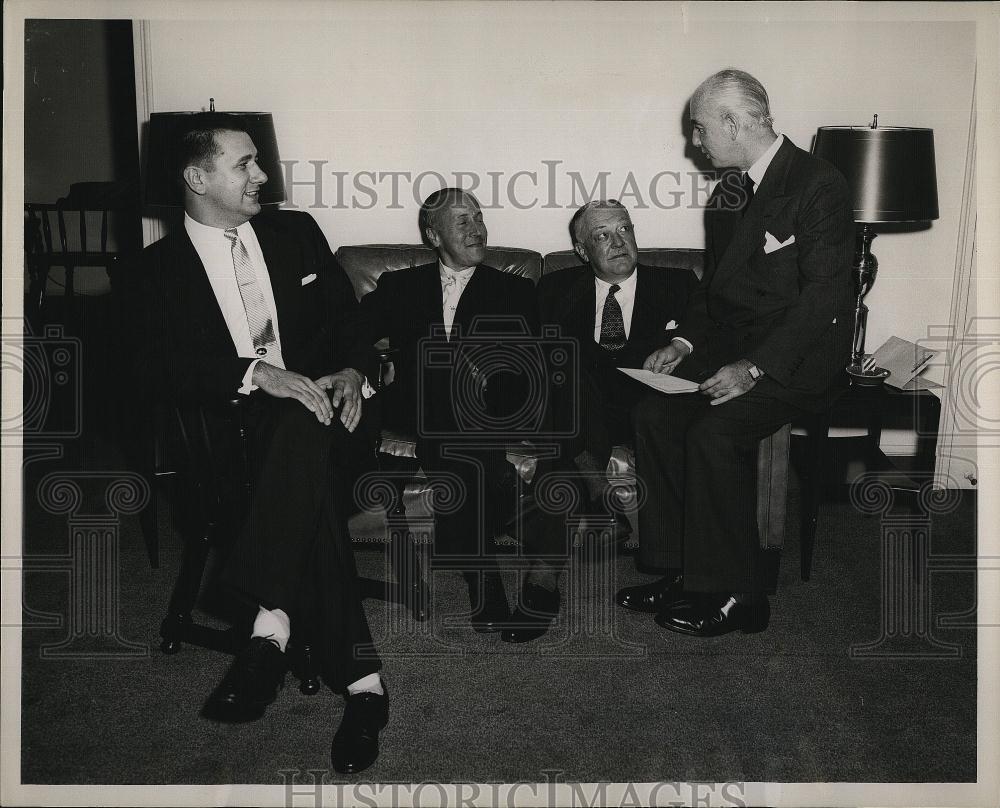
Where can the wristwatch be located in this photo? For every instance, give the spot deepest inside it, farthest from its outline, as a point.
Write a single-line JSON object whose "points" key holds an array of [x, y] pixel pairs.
{"points": [[754, 371]]}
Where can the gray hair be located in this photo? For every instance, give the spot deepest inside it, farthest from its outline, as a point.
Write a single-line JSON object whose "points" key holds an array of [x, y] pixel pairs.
{"points": [[595, 203], [738, 93]]}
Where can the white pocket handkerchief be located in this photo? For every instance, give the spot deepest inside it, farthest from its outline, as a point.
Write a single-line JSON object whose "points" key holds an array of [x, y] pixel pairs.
{"points": [[771, 244], [308, 279], [670, 326]]}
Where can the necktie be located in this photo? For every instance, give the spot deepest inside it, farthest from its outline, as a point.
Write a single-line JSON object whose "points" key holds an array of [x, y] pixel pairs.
{"points": [[748, 187], [612, 322], [258, 316]]}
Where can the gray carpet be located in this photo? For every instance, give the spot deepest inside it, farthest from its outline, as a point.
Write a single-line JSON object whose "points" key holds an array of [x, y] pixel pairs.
{"points": [[607, 696]]}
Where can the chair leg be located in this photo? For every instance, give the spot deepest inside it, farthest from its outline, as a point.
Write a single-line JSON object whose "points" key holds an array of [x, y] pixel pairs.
{"points": [[308, 675], [818, 431], [175, 625], [405, 558]]}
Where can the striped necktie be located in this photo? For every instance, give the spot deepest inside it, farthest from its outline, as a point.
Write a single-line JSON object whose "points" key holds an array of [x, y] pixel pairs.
{"points": [[258, 316]]}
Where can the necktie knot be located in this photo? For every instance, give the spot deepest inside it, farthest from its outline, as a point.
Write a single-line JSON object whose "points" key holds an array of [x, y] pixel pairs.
{"points": [[614, 288], [231, 234]]}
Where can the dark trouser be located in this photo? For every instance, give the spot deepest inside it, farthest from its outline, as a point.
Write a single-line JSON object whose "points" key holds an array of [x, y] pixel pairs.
{"points": [[697, 468], [476, 495], [295, 552]]}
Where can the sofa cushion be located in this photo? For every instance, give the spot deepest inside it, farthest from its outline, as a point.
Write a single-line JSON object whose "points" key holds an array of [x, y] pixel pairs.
{"points": [[680, 257], [363, 263]]}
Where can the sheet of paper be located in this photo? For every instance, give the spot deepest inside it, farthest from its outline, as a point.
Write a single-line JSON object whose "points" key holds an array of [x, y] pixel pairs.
{"points": [[902, 359], [660, 381]]}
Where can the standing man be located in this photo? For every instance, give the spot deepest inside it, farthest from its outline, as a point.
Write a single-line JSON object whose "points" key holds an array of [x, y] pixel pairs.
{"points": [[619, 312], [240, 302], [770, 328], [461, 383]]}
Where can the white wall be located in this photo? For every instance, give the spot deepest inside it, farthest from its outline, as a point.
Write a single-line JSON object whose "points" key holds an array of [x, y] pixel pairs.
{"points": [[504, 87]]}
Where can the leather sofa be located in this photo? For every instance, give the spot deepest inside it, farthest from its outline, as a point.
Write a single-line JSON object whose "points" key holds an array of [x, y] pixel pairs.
{"points": [[364, 263]]}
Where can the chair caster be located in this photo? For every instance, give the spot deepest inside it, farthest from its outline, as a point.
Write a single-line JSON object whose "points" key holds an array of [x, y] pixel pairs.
{"points": [[172, 630], [170, 645], [309, 686]]}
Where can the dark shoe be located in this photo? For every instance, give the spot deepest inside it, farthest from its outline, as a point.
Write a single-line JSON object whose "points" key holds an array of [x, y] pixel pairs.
{"points": [[539, 607], [652, 597], [251, 683], [355, 745], [712, 615], [488, 599]]}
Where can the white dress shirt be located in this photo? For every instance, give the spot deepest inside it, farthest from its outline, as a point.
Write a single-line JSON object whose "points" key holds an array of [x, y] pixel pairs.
{"points": [[625, 297], [216, 254], [453, 283]]}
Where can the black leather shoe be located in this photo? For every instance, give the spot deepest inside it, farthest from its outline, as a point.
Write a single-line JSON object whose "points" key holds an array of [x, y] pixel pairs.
{"points": [[652, 597], [355, 745], [251, 683], [539, 607], [490, 611], [712, 615]]}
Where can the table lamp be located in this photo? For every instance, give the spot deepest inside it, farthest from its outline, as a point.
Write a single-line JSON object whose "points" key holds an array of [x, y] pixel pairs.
{"points": [[890, 171], [163, 189]]}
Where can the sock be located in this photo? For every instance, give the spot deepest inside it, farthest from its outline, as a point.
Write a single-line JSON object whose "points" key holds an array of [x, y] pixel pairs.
{"points": [[272, 624], [372, 683]]}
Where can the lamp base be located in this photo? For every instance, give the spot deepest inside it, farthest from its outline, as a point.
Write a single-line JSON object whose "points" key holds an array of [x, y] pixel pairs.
{"points": [[872, 377]]}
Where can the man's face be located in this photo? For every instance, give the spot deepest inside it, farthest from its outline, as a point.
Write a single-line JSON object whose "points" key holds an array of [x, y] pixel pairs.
{"points": [[458, 233], [711, 133], [606, 238], [233, 184]]}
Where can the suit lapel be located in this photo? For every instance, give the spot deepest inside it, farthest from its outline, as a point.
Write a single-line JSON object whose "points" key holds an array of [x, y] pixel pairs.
{"points": [[747, 231], [190, 280], [278, 257], [646, 313]]}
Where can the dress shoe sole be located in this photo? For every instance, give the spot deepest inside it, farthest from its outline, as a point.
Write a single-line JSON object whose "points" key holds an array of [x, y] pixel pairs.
{"points": [[751, 628]]}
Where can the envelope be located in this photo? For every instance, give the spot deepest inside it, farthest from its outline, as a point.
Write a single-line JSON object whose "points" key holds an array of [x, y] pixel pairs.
{"points": [[309, 279], [670, 326], [771, 244]]}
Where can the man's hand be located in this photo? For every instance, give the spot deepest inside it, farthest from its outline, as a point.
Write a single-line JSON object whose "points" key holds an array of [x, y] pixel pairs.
{"points": [[346, 386], [729, 381], [287, 384], [665, 360]]}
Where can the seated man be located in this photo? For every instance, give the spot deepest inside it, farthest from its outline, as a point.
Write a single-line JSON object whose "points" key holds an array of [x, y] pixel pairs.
{"points": [[767, 334], [240, 301], [459, 387], [619, 312]]}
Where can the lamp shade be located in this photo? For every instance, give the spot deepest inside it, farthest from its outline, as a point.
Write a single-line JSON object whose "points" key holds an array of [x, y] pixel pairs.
{"points": [[890, 170], [163, 186]]}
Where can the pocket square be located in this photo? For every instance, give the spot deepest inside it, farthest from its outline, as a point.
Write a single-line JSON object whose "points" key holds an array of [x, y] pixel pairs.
{"points": [[670, 326], [309, 279], [771, 244]]}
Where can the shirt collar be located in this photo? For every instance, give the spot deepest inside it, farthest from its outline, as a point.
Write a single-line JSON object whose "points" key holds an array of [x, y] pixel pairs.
{"points": [[199, 232], [626, 285], [462, 274], [758, 169]]}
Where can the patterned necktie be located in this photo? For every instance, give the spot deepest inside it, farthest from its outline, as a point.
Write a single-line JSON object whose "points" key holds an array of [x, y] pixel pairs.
{"points": [[612, 322], [748, 187], [258, 316]]}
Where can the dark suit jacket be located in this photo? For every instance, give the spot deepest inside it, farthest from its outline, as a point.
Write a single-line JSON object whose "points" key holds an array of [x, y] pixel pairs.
{"points": [[568, 299], [788, 311], [194, 358], [595, 407], [435, 386]]}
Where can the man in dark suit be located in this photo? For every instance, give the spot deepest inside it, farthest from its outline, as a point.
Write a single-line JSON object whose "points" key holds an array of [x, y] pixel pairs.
{"points": [[770, 327], [619, 312], [464, 332], [240, 302]]}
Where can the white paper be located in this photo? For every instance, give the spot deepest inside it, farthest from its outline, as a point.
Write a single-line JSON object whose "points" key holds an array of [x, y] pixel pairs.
{"points": [[661, 381]]}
